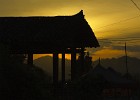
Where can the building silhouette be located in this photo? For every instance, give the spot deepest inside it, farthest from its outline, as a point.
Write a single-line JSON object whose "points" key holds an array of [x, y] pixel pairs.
{"points": [[48, 34]]}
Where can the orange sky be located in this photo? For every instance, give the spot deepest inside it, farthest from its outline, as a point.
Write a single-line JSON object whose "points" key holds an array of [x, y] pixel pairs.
{"points": [[114, 22], [68, 56]]}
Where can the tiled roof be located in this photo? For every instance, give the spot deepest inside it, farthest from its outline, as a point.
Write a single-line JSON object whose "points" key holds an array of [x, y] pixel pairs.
{"points": [[53, 32]]}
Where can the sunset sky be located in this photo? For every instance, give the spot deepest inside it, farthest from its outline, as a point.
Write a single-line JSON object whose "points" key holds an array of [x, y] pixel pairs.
{"points": [[114, 22]]}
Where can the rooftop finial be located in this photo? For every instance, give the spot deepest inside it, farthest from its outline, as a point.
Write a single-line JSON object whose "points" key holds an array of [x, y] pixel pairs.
{"points": [[80, 14]]}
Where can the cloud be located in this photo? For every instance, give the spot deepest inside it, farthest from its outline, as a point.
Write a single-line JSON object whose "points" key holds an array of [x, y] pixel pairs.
{"points": [[20, 7], [92, 7], [110, 47], [107, 53], [135, 48], [112, 53]]}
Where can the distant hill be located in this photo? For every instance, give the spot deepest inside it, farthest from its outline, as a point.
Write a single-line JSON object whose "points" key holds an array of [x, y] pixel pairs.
{"points": [[119, 65], [46, 63]]}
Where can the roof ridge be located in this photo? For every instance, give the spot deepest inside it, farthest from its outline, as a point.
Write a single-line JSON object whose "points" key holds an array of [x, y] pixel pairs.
{"points": [[79, 14]]}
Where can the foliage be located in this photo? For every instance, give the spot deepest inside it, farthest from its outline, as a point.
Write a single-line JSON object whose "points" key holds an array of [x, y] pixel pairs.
{"points": [[20, 81]]}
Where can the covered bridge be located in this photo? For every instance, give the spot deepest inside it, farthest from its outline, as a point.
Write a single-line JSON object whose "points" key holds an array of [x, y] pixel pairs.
{"points": [[42, 35]]}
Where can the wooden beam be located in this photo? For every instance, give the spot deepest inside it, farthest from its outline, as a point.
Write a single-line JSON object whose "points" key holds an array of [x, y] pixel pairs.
{"points": [[63, 68], [55, 68], [44, 51], [30, 59], [73, 63]]}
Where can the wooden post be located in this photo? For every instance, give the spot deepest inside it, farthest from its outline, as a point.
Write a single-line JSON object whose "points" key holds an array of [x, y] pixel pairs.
{"points": [[55, 68], [63, 68], [73, 63], [30, 59], [82, 59]]}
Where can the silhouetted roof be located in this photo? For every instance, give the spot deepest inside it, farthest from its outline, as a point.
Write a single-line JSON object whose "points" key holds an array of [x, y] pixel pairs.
{"points": [[110, 75], [41, 32]]}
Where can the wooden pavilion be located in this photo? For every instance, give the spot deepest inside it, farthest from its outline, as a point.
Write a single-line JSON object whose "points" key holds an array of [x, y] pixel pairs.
{"points": [[42, 35]]}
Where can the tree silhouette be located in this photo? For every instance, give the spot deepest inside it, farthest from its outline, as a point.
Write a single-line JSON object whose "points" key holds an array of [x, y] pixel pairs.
{"points": [[85, 68], [20, 81]]}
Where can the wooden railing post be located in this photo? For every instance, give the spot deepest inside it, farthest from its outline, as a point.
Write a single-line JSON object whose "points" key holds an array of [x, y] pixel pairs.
{"points": [[73, 63], [63, 68], [55, 68], [30, 59]]}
